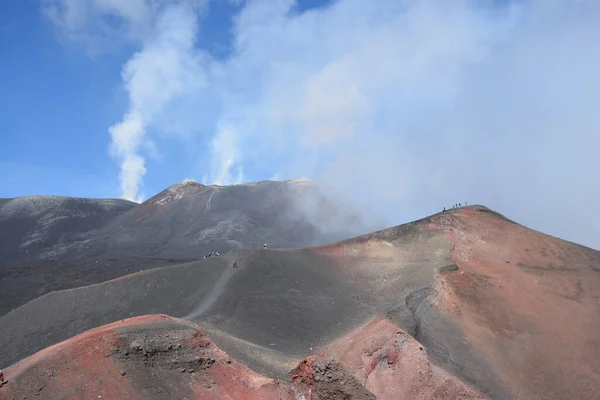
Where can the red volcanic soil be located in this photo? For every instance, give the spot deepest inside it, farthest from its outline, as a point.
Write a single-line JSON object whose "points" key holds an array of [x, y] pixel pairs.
{"points": [[150, 357], [529, 302], [158, 357], [518, 313], [393, 365]]}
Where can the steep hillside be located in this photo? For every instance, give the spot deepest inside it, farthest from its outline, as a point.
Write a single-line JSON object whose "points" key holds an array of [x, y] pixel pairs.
{"points": [[34, 227], [526, 302], [31, 226]]}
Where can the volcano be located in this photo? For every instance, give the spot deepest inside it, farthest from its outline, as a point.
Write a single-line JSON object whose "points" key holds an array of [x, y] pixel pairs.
{"points": [[463, 304], [50, 243]]}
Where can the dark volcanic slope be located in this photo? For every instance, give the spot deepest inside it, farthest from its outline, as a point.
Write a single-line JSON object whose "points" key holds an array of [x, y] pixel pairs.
{"points": [[183, 221], [189, 219], [31, 226], [510, 310], [22, 282], [52, 243], [34, 227]]}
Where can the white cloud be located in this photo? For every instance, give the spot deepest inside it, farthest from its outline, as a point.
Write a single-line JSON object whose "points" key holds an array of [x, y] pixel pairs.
{"points": [[164, 70], [132, 169], [69, 14], [276, 177], [411, 106], [226, 157], [99, 25], [407, 106]]}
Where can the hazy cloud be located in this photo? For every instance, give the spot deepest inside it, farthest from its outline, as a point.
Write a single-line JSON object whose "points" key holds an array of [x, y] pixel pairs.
{"points": [[226, 157], [405, 106]]}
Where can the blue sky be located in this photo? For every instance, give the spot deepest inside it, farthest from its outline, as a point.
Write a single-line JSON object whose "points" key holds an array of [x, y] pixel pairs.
{"points": [[50, 96], [402, 106], [58, 100]]}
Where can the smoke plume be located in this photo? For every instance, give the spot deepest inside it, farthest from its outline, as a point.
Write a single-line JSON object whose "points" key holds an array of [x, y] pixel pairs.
{"points": [[403, 106]]}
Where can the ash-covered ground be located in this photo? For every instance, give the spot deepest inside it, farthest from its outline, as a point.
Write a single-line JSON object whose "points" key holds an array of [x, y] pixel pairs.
{"points": [[474, 304]]}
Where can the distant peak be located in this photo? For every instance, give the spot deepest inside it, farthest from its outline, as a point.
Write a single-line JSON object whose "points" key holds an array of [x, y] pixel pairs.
{"points": [[185, 183], [301, 181], [176, 192]]}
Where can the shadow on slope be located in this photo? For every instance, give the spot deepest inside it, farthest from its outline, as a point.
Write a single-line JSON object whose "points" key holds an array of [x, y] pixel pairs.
{"points": [[20, 283]]}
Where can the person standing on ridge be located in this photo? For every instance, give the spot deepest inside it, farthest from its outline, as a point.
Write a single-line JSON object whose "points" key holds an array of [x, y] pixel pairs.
{"points": [[1, 377]]}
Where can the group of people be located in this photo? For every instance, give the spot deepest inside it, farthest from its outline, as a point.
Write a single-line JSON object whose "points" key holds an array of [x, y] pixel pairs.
{"points": [[216, 254], [212, 254], [457, 205]]}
